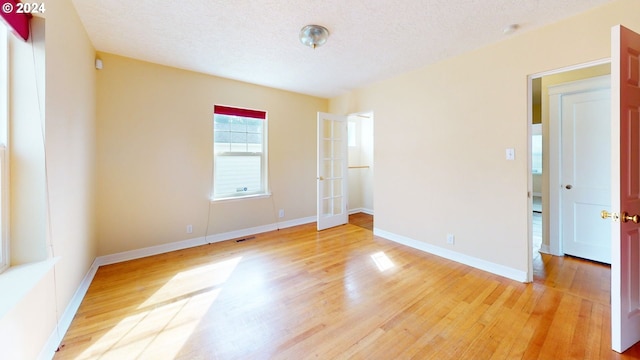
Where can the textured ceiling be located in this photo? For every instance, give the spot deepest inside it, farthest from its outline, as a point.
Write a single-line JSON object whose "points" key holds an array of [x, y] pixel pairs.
{"points": [[256, 41]]}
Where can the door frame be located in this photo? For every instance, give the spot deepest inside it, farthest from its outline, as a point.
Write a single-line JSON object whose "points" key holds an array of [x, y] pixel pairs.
{"points": [[529, 120], [369, 116]]}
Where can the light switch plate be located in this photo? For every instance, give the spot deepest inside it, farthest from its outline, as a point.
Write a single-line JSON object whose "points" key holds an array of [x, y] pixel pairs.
{"points": [[511, 154]]}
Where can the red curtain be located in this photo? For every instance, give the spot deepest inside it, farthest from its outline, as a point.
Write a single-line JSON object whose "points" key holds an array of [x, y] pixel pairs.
{"points": [[227, 110], [18, 22]]}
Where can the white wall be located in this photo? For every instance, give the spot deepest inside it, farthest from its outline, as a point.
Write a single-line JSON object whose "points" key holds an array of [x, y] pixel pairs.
{"points": [[361, 165]]}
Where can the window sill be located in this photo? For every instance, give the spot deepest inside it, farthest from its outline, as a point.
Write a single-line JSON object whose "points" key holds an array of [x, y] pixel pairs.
{"points": [[17, 281], [239, 198]]}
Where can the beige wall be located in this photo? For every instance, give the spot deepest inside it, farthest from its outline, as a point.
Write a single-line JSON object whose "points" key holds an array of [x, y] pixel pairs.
{"points": [[154, 155], [64, 226], [458, 117]]}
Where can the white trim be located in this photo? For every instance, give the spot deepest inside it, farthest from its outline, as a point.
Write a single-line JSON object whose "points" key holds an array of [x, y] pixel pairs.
{"points": [[511, 273], [241, 197], [570, 68], [52, 344], [361, 210], [544, 248], [149, 251]]}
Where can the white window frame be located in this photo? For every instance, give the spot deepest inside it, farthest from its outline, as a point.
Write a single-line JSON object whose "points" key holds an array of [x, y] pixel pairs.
{"points": [[5, 260], [264, 189]]}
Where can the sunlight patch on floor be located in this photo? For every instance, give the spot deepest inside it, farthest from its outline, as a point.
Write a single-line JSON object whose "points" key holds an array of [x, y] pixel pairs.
{"points": [[382, 261], [193, 280], [166, 320]]}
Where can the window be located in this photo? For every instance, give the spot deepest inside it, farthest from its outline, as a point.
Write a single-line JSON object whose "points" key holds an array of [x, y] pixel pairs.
{"points": [[4, 106], [351, 133], [240, 152], [536, 149]]}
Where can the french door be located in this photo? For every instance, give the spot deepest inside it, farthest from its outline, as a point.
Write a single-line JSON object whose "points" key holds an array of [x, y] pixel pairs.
{"points": [[332, 171]]}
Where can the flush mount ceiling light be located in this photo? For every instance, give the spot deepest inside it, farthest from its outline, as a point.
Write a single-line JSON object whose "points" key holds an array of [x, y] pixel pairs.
{"points": [[314, 35], [510, 29]]}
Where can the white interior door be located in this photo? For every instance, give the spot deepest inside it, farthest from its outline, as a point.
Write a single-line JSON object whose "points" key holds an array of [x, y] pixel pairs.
{"points": [[625, 188], [332, 171], [585, 111]]}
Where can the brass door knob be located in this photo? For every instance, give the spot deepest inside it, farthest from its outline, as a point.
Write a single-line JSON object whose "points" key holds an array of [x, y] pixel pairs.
{"points": [[605, 215], [626, 217], [568, 187]]}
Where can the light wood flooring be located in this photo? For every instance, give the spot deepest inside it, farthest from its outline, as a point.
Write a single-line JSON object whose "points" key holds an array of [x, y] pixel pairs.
{"points": [[341, 293]]}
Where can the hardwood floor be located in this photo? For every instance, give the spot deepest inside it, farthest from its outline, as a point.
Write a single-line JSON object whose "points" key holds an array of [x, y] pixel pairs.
{"points": [[361, 219], [341, 293]]}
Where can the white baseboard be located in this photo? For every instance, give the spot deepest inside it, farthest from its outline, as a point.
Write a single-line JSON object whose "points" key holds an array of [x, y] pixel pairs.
{"points": [[49, 350], [149, 251], [484, 265], [361, 210], [544, 248]]}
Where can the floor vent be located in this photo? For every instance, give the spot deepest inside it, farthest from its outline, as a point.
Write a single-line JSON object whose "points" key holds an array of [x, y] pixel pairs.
{"points": [[245, 239]]}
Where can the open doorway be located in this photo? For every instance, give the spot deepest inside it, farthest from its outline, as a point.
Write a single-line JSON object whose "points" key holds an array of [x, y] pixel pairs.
{"points": [[544, 218], [360, 169]]}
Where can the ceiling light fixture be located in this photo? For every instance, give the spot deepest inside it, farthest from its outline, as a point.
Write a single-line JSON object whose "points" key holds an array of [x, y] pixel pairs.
{"points": [[314, 35], [510, 29]]}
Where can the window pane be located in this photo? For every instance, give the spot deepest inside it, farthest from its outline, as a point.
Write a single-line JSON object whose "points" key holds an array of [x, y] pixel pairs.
{"points": [[338, 131], [337, 187], [238, 125], [238, 175], [326, 128], [253, 138], [326, 150], [351, 132], [254, 126], [221, 136], [326, 207], [221, 122], [337, 168], [337, 148], [536, 154], [337, 205], [326, 188], [326, 169]]}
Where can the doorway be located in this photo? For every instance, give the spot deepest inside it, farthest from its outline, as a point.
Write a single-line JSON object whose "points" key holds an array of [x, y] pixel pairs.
{"points": [[361, 168], [541, 223], [580, 181]]}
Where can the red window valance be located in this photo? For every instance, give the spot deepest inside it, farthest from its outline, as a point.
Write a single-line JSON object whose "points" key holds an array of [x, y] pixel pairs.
{"points": [[17, 22], [233, 111]]}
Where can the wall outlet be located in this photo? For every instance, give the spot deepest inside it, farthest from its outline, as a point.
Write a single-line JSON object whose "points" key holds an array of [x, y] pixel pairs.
{"points": [[189, 229], [451, 239], [281, 213]]}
